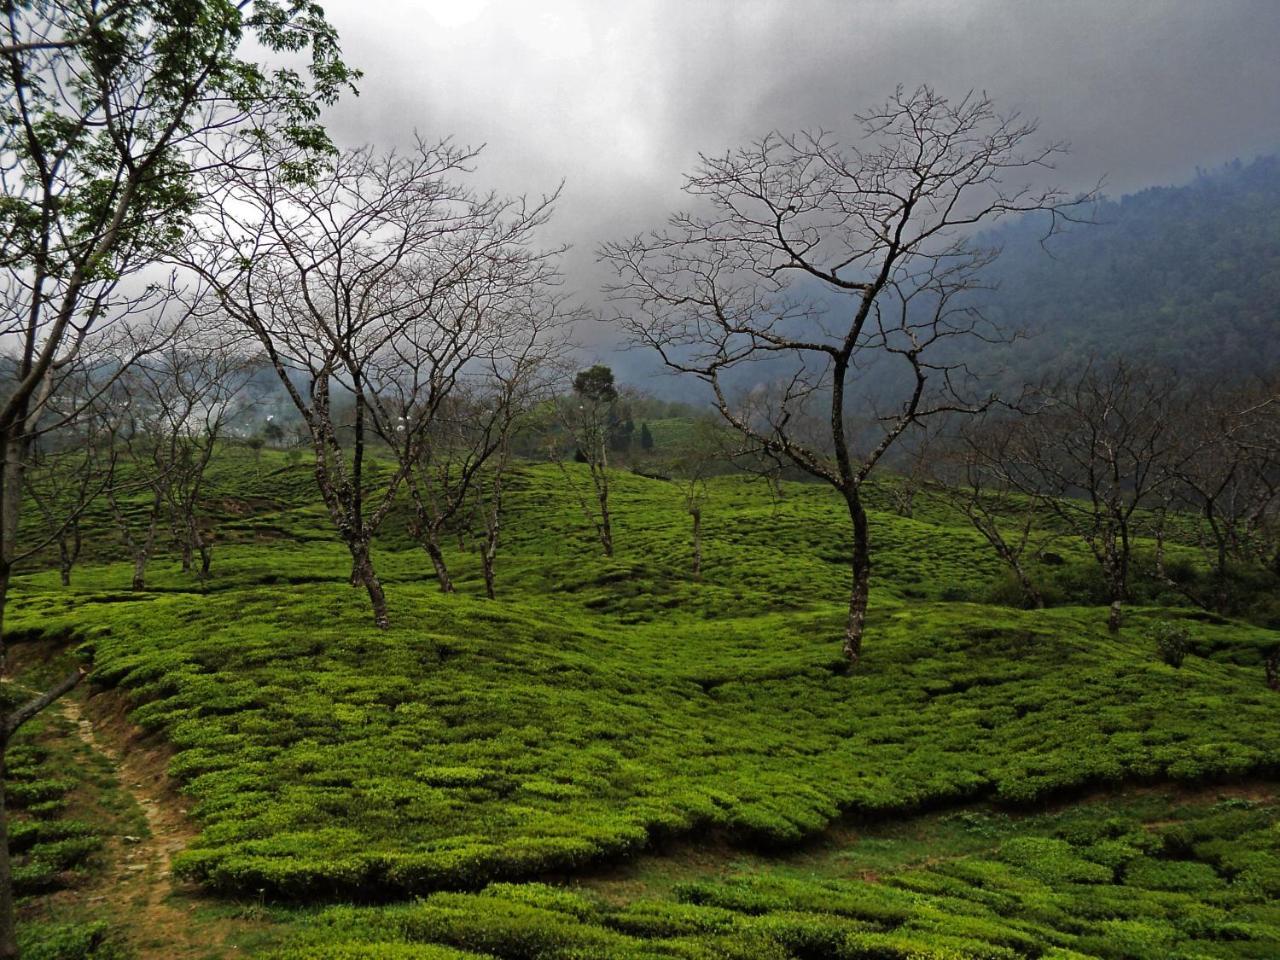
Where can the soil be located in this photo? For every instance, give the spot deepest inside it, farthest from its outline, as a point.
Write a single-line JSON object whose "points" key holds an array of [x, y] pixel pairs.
{"points": [[162, 917]]}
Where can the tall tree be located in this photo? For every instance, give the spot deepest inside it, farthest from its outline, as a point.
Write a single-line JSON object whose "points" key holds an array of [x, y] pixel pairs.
{"points": [[108, 112], [586, 416], [838, 265]]}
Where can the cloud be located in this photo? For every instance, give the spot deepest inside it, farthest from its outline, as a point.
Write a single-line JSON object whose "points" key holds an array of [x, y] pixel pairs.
{"points": [[617, 99]]}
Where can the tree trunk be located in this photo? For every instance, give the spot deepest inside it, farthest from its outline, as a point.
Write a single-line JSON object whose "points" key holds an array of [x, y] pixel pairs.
{"points": [[861, 570], [1117, 573], [492, 527], [142, 552], [206, 554], [1221, 592], [696, 513], [437, 561], [362, 567], [600, 477], [1028, 588], [486, 561], [140, 570], [1115, 616], [64, 561]]}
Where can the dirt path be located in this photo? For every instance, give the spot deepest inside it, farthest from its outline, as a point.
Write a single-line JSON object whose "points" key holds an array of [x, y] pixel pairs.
{"points": [[156, 913]]}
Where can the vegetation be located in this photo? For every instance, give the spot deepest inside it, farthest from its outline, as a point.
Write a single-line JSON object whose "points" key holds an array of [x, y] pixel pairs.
{"points": [[487, 746], [595, 712], [1184, 276]]}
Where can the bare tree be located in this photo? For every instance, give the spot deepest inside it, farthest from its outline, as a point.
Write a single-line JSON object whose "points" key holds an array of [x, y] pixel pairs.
{"points": [[70, 469], [149, 455], [1095, 449], [970, 473], [1227, 476], [207, 374], [911, 469], [461, 376], [523, 385], [344, 279], [845, 268], [691, 465], [170, 410]]}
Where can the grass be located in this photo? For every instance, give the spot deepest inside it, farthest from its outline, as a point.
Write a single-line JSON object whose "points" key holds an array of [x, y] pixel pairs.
{"points": [[602, 708]]}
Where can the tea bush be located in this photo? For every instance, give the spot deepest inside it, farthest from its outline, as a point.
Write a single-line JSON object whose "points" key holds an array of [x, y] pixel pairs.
{"points": [[603, 706], [1039, 898], [1172, 641]]}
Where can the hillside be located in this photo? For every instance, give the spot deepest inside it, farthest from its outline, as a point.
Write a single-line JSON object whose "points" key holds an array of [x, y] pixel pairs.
{"points": [[616, 760], [1185, 276]]}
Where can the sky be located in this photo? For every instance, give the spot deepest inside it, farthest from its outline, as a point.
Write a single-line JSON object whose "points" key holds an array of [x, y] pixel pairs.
{"points": [[616, 99]]}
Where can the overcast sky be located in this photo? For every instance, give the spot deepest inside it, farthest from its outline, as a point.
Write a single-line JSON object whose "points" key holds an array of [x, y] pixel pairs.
{"points": [[617, 98]]}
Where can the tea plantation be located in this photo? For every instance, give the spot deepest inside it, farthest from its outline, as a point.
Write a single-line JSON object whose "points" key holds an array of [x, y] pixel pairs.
{"points": [[614, 759]]}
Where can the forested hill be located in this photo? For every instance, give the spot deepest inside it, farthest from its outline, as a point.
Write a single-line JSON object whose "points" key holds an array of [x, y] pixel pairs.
{"points": [[1185, 276]]}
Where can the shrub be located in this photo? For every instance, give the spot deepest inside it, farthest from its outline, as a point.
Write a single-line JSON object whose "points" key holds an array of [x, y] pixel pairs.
{"points": [[69, 941], [1172, 641]]}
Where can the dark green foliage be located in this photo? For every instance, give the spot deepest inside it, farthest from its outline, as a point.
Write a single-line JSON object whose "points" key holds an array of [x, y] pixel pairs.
{"points": [[1186, 277], [1172, 641], [596, 385]]}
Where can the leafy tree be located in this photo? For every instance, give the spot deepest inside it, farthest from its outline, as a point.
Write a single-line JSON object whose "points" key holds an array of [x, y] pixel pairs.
{"points": [[646, 438], [272, 433], [596, 385], [587, 416], [112, 112]]}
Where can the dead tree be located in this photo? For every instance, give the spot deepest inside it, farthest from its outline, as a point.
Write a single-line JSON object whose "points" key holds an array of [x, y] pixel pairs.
{"points": [[845, 268], [336, 277]]}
